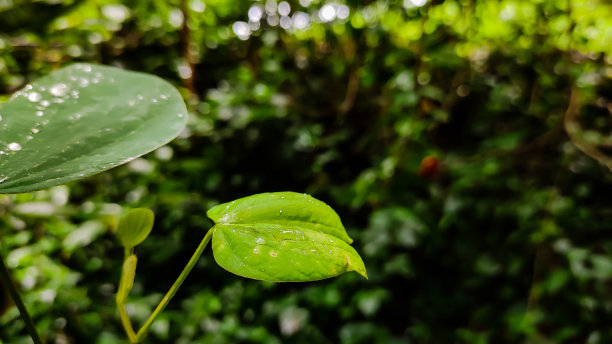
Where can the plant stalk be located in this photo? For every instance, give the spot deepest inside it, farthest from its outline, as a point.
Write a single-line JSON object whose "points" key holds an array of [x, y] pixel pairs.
{"points": [[179, 281], [4, 274], [127, 324], [125, 318]]}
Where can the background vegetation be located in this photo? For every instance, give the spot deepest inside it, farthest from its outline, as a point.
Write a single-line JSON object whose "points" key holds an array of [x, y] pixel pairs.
{"points": [[438, 130]]}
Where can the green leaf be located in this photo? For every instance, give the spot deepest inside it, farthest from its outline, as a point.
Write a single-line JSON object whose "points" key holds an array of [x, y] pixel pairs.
{"points": [[127, 278], [281, 208], [282, 254], [81, 120], [135, 226], [282, 237]]}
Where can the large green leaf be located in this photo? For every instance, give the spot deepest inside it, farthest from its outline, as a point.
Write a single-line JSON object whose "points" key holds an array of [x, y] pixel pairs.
{"points": [[252, 239], [81, 120], [281, 208]]}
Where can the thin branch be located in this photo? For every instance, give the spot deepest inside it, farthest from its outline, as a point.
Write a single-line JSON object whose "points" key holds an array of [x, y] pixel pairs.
{"points": [[5, 276]]}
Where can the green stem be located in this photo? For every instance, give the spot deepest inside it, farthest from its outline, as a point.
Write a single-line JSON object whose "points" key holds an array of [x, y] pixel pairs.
{"points": [[4, 274], [164, 302], [125, 318], [127, 324]]}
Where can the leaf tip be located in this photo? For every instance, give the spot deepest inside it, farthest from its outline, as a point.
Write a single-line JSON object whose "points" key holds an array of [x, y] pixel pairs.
{"points": [[362, 271], [358, 266]]}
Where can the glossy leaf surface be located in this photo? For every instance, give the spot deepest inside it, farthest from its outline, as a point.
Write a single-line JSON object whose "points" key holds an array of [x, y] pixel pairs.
{"points": [[281, 208], [251, 240], [135, 226], [81, 120]]}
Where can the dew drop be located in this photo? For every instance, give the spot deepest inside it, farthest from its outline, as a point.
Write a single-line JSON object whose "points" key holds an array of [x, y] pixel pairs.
{"points": [[274, 254], [45, 103], [163, 96], [139, 97], [29, 137], [2, 179], [260, 241], [39, 113], [14, 146], [34, 97], [256, 250], [58, 90], [35, 131], [0, 117], [281, 212], [180, 115]]}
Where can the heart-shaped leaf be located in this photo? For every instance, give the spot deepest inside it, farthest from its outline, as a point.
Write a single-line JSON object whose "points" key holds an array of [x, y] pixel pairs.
{"points": [[281, 208], [135, 226], [282, 237], [81, 120]]}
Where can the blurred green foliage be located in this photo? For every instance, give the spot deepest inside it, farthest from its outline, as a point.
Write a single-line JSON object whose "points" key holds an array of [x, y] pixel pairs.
{"points": [[500, 236]]}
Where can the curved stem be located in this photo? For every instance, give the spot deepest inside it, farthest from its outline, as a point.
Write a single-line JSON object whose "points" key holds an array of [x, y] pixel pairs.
{"points": [[164, 302], [4, 274], [127, 324], [122, 294]]}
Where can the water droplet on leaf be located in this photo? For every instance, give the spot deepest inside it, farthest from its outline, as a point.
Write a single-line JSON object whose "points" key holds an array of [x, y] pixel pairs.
{"points": [[14, 146], [34, 97], [58, 90]]}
